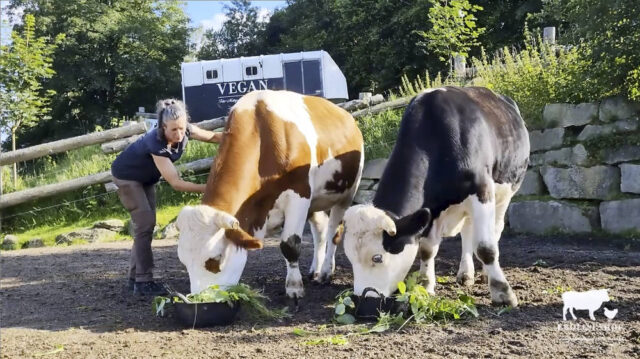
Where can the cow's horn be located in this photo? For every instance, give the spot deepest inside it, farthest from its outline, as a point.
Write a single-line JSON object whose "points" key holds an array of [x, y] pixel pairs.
{"points": [[388, 225]]}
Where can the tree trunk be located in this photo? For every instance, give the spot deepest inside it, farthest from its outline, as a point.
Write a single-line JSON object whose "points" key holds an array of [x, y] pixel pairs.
{"points": [[15, 165]]}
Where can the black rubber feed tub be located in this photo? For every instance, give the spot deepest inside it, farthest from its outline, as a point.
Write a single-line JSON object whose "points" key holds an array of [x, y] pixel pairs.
{"points": [[199, 315], [369, 308]]}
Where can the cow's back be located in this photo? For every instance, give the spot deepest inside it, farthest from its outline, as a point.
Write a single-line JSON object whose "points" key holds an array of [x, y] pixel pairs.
{"points": [[450, 141], [277, 141]]}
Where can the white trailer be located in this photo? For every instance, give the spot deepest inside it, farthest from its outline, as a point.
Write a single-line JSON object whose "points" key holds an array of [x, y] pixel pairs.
{"points": [[210, 88]]}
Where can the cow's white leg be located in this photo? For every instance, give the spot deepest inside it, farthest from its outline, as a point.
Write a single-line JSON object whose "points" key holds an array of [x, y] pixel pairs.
{"points": [[318, 223], [466, 271], [564, 312], [295, 215], [335, 217], [591, 315], [486, 245], [503, 195], [428, 249]]}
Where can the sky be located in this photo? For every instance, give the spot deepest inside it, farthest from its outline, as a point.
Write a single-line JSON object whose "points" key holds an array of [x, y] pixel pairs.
{"points": [[209, 14]]}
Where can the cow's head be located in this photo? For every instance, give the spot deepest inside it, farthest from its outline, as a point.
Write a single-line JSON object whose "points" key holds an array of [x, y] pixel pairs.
{"points": [[381, 247], [212, 246]]}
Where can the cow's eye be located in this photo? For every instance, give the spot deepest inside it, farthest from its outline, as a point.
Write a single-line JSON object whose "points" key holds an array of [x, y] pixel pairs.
{"points": [[377, 258]]}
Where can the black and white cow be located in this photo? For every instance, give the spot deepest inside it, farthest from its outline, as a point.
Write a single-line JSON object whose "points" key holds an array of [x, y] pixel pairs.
{"points": [[460, 156]]}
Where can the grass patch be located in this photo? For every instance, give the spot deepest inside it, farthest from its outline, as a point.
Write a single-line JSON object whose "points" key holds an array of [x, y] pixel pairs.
{"points": [[49, 232], [69, 211], [379, 132]]}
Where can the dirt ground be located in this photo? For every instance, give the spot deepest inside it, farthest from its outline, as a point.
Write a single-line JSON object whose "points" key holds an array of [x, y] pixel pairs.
{"points": [[73, 299]]}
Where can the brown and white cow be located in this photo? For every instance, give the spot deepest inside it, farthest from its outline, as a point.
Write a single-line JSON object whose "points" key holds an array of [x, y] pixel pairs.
{"points": [[286, 158]]}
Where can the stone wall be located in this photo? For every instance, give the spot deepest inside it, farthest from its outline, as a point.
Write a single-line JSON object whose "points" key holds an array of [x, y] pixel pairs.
{"points": [[584, 172]]}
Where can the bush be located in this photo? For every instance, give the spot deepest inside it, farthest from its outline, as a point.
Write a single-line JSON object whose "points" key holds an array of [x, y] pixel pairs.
{"points": [[379, 132], [537, 75], [633, 84]]}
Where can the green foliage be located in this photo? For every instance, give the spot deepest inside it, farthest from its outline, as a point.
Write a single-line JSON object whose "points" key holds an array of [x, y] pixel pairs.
{"points": [[557, 290], [410, 88], [423, 307], [633, 84], [24, 64], [504, 22], [426, 308], [535, 76], [454, 31], [379, 132], [116, 56], [370, 40], [251, 299], [608, 35], [65, 212], [238, 36], [342, 304], [333, 340]]}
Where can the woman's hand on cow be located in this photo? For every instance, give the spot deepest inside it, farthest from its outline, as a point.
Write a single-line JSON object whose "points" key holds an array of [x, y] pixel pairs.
{"points": [[170, 174]]}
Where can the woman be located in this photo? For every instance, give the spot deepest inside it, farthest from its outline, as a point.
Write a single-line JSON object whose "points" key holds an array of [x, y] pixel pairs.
{"points": [[137, 170]]}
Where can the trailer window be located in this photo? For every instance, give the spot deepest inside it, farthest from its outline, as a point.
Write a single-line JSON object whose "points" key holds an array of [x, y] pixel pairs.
{"points": [[212, 74], [251, 70]]}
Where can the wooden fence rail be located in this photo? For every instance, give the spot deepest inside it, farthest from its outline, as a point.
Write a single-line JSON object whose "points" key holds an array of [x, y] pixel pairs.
{"points": [[50, 148], [15, 198], [119, 145]]}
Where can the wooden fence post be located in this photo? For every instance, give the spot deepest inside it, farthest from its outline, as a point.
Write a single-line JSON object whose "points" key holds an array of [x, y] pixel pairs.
{"points": [[549, 35], [459, 66]]}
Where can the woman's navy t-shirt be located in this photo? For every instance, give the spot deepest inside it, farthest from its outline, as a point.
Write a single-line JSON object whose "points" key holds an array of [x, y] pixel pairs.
{"points": [[135, 162]]}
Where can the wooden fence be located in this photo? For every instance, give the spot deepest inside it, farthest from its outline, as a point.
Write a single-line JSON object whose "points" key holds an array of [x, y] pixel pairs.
{"points": [[117, 139]]}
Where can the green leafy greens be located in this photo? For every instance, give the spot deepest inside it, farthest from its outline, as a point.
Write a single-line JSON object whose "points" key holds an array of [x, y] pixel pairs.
{"points": [[422, 307], [251, 299]]}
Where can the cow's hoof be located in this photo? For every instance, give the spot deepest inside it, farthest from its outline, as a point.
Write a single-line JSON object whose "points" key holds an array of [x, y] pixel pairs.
{"points": [[314, 277], [325, 278], [502, 294], [294, 303], [483, 278], [295, 291], [465, 279]]}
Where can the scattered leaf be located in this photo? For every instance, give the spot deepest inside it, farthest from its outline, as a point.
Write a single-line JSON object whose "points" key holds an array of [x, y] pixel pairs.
{"points": [[346, 319], [59, 348]]}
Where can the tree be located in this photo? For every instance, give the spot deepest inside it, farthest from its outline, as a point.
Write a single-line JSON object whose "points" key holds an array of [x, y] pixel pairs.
{"points": [[24, 64], [117, 55], [504, 21], [370, 40], [238, 36], [608, 33], [454, 29]]}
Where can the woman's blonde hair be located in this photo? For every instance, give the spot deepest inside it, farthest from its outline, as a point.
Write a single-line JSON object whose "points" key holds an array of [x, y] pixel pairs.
{"points": [[169, 110]]}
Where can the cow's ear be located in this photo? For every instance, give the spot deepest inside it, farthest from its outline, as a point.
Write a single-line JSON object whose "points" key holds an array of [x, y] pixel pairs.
{"points": [[242, 239], [414, 223], [197, 219], [407, 228]]}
